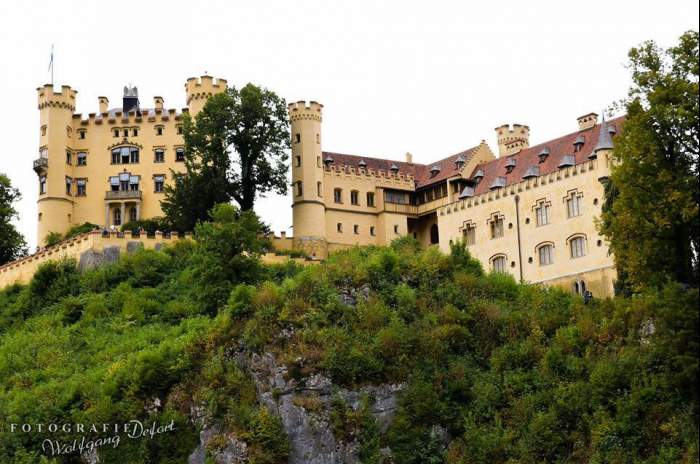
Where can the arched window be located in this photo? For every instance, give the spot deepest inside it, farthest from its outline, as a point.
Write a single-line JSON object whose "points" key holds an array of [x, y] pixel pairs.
{"points": [[577, 246], [434, 234], [319, 189], [545, 253], [132, 214], [117, 217], [498, 263], [125, 155]]}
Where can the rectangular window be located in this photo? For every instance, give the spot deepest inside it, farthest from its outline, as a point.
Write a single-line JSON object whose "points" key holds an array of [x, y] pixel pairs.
{"points": [[395, 197], [159, 130], [542, 213], [355, 197], [546, 253], [81, 187], [338, 195], [42, 185], [396, 228], [356, 229], [573, 205], [82, 134], [69, 182], [134, 155], [126, 132], [81, 159], [300, 189], [158, 183], [297, 160], [68, 157], [135, 132], [370, 199], [179, 130], [134, 183], [115, 132], [179, 154], [339, 227], [114, 183], [319, 189], [470, 235], [297, 138], [372, 231], [159, 156], [497, 228]]}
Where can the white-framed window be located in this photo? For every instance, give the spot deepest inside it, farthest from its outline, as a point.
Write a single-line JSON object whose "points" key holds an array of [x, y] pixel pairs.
{"points": [[498, 263], [80, 187], [542, 213], [574, 204], [42, 185], [159, 155], [81, 159], [577, 246], [545, 254], [69, 183], [180, 154], [158, 183]]}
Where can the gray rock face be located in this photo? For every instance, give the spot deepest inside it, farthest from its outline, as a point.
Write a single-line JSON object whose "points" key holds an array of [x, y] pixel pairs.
{"points": [[234, 450], [305, 406]]}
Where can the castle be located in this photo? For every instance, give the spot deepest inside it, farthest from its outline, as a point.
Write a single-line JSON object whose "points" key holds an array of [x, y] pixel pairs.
{"points": [[530, 211], [111, 167]]}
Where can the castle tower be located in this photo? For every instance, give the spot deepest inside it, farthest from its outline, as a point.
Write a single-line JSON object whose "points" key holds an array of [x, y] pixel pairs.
{"points": [[198, 90], [511, 141], [54, 164], [308, 206]]}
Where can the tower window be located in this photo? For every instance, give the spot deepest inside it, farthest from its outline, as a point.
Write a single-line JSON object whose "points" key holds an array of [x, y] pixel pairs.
{"points": [[43, 130], [339, 227], [396, 228], [132, 214], [179, 154], [42, 185], [81, 187], [297, 138], [338, 195], [68, 157], [300, 190], [158, 183], [319, 189], [69, 182], [159, 156], [372, 231], [298, 160], [356, 229], [318, 138], [355, 197], [370, 199], [117, 217], [81, 159]]}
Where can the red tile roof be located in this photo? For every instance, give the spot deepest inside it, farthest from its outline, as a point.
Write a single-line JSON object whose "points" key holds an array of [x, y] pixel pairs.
{"points": [[528, 157], [420, 172]]}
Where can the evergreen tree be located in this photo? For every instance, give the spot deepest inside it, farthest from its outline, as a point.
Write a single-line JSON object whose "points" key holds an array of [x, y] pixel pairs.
{"points": [[651, 213], [12, 244]]}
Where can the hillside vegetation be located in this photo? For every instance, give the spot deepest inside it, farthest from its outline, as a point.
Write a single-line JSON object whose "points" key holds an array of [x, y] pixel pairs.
{"points": [[512, 373]]}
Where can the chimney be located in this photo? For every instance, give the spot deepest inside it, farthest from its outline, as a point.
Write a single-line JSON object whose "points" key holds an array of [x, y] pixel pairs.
{"points": [[130, 101], [511, 141], [158, 103], [587, 121], [104, 104], [409, 158]]}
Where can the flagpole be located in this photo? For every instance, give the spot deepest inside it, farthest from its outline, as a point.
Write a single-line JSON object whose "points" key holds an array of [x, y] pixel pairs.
{"points": [[51, 64]]}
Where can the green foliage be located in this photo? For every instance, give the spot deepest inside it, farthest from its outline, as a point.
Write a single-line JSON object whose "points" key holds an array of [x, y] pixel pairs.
{"points": [[12, 244], [651, 212], [54, 238], [149, 226], [235, 149]]}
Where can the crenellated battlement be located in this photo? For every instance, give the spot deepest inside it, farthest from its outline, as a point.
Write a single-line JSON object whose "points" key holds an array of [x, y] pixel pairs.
{"points": [[203, 87], [386, 177], [512, 140], [300, 110], [49, 98]]}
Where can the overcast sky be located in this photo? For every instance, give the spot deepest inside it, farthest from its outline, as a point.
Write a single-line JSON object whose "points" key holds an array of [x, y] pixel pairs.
{"points": [[431, 78]]}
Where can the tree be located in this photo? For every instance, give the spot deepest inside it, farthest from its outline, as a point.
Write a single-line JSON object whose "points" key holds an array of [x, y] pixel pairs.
{"points": [[651, 213], [12, 244], [228, 253], [235, 149]]}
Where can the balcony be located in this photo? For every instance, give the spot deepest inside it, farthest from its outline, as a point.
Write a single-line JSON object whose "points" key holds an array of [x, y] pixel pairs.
{"points": [[41, 165], [416, 210], [123, 195]]}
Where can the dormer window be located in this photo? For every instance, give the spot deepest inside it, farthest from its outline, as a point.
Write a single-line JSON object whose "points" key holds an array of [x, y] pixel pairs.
{"points": [[578, 143], [612, 130], [498, 182], [394, 168], [478, 175], [362, 164], [567, 161], [468, 192], [434, 171], [532, 171], [328, 161], [510, 165], [459, 162], [543, 154]]}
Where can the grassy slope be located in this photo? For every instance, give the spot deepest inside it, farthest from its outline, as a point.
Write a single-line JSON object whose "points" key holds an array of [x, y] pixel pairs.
{"points": [[514, 373]]}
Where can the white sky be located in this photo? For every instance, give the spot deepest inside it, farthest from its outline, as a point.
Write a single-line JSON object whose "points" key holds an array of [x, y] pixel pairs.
{"points": [[431, 78]]}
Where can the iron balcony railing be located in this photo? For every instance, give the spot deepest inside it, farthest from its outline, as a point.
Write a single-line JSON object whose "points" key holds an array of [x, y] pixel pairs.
{"points": [[41, 164]]}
